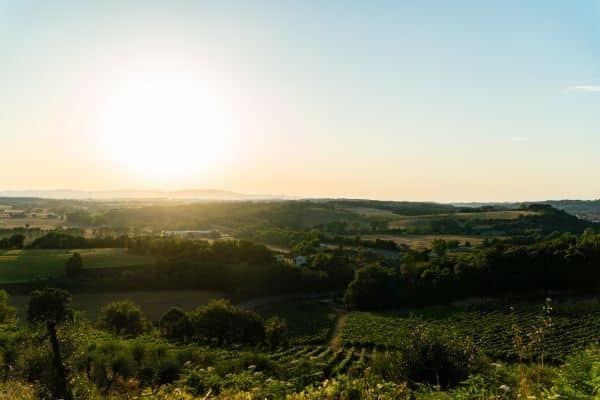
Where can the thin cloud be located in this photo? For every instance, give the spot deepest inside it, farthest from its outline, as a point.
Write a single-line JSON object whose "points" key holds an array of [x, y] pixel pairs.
{"points": [[584, 88]]}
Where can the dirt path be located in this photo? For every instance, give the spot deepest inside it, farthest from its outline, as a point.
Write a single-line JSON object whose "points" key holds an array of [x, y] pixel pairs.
{"points": [[336, 335]]}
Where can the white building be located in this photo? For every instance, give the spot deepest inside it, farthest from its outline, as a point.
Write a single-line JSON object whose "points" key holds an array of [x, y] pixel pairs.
{"points": [[300, 261]]}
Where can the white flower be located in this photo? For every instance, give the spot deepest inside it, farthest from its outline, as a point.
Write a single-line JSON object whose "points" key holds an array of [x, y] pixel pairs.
{"points": [[505, 388]]}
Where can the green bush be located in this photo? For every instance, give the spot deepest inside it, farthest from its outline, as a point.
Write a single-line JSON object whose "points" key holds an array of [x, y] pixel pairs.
{"points": [[8, 314], [276, 332], [74, 266], [199, 383], [221, 322], [175, 324], [123, 318], [579, 378], [430, 355]]}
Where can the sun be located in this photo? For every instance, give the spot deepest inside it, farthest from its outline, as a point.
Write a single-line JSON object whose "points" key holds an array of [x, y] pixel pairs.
{"points": [[165, 126]]}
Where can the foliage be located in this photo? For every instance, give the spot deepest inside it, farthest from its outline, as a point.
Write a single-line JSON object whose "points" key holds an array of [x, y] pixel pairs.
{"points": [[429, 355], [579, 378], [123, 318], [276, 332], [221, 322], [175, 324], [14, 241], [49, 304], [561, 262], [8, 314], [370, 288], [308, 322], [244, 267], [74, 266]]}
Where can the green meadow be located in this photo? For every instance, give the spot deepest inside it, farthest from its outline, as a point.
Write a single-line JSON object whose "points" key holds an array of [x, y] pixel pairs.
{"points": [[27, 265]]}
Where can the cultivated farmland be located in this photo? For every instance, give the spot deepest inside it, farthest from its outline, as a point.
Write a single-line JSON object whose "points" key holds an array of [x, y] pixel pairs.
{"points": [[28, 265]]}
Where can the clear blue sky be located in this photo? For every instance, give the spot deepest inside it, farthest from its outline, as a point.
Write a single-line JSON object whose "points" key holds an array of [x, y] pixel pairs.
{"points": [[432, 100]]}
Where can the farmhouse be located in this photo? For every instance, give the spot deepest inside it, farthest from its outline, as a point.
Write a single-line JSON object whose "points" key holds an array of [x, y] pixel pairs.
{"points": [[300, 261]]}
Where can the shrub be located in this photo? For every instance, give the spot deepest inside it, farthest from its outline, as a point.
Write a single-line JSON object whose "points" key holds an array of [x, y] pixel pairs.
{"points": [[579, 378], [74, 266], [123, 318], [371, 288], [276, 332], [8, 314], [222, 322], [199, 383], [430, 355], [109, 362], [175, 324], [49, 305]]}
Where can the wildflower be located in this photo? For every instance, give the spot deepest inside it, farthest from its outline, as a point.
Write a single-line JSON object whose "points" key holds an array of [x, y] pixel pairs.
{"points": [[252, 366], [505, 388]]}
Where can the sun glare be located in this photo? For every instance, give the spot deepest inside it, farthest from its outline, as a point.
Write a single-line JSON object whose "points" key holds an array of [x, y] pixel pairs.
{"points": [[165, 127]]}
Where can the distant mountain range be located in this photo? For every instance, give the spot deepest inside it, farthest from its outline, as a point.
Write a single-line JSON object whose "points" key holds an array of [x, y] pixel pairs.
{"points": [[188, 194]]}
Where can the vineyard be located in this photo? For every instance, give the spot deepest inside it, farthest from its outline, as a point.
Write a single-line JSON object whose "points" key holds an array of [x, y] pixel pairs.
{"points": [[326, 361], [309, 322], [554, 333]]}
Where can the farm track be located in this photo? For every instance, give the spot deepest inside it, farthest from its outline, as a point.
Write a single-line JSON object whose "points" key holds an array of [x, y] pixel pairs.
{"points": [[338, 329]]}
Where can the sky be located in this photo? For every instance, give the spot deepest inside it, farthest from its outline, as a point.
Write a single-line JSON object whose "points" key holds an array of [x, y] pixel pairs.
{"points": [[400, 100]]}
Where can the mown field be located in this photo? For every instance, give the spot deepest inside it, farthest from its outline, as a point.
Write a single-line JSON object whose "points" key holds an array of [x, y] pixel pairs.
{"points": [[28, 265], [406, 221], [42, 223], [153, 303], [421, 242], [496, 327]]}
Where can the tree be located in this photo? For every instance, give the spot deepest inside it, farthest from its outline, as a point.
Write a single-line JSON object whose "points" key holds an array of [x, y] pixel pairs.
{"points": [[74, 266], [372, 288], [123, 318], [8, 314], [222, 322], [13, 242], [439, 247], [49, 304], [175, 324]]}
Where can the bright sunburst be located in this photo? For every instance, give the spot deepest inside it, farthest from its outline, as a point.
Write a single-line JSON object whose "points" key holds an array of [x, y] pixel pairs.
{"points": [[165, 126]]}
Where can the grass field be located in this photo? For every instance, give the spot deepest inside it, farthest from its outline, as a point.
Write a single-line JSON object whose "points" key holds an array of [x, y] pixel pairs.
{"points": [[153, 303], [574, 325], [423, 241], [401, 222], [27, 265], [372, 212], [42, 223], [505, 215]]}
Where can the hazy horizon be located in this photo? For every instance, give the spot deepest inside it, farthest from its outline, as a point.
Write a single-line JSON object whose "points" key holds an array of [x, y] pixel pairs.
{"points": [[209, 194], [382, 100]]}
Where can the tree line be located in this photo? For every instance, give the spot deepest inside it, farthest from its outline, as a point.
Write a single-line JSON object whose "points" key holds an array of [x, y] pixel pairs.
{"points": [[564, 262]]}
